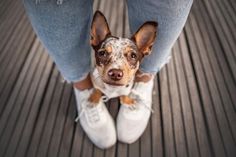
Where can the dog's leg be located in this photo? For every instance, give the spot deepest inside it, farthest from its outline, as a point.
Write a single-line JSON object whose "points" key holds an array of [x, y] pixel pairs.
{"points": [[95, 96], [126, 100]]}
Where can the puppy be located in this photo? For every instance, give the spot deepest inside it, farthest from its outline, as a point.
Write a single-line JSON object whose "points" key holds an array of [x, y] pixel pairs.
{"points": [[117, 59]]}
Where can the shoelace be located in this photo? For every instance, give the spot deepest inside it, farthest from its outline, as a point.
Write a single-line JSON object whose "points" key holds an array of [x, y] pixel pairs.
{"points": [[93, 111], [138, 97]]}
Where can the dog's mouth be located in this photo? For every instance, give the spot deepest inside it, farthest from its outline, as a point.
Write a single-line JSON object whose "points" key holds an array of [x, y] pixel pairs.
{"points": [[114, 83]]}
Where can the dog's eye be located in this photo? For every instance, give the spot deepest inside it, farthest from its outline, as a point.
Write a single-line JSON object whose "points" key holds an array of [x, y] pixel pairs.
{"points": [[133, 55], [102, 53]]}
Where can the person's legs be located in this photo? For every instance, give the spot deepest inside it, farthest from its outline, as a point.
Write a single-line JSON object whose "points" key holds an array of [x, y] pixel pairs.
{"points": [[64, 30], [171, 16]]}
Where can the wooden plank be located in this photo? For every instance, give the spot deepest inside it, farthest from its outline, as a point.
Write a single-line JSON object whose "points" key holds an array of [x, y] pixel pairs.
{"points": [[134, 149], [223, 36], [9, 10], [167, 119], [60, 121], [180, 132], [35, 109], [87, 147], [226, 100], [78, 139], [8, 41], [96, 5], [212, 123], [13, 45], [223, 22], [50, 120], [118, 18], [14, 107], [126, 29], [10, 82], [22, 116], [20, 78], [145, 142], [29, 110], [213, 45], [21, 43], [8, 27], [216, 99], [230, 11], [17, 54], [6, 7], [97, 152], [10, 20], [227, 13], [39, 124], [121, 149], [189, 95], [69, 130], [156, 122], [233, 4]]}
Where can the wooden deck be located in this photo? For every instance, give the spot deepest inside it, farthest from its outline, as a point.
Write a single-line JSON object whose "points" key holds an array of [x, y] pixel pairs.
{"points": [[194, 96]]}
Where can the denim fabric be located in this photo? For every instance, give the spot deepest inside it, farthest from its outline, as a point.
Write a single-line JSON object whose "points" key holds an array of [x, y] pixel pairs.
{"points": [[65, 31], [63, 26], [171, 16]]}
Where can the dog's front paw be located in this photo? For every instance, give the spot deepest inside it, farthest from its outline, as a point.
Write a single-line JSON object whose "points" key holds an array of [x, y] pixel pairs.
{"points": [[95, 96], [127, 100]]}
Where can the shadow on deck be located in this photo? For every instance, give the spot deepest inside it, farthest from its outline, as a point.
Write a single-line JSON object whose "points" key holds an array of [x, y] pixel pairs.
{"points": [[194, 96]]}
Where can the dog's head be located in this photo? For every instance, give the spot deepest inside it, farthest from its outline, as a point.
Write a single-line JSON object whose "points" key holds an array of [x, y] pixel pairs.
{"points": [[118, 59]]}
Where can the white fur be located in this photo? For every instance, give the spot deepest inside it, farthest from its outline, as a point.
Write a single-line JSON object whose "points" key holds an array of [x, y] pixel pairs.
{"points": [[109, 90]]}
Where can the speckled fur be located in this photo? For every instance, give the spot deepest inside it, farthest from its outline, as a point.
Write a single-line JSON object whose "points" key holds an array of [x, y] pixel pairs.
{"points": [[118, 59]]}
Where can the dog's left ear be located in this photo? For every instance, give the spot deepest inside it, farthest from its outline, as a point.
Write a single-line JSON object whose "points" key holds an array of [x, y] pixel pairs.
{"points": [[145, 37], [99, 29]]}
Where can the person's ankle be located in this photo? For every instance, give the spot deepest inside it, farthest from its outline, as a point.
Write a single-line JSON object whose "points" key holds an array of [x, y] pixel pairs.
{"points": [[143, 77], [83, 84]]}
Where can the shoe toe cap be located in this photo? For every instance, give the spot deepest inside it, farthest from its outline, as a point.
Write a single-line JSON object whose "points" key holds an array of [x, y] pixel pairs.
{"points": [[103, 136], [105, 139], [129, 131]]}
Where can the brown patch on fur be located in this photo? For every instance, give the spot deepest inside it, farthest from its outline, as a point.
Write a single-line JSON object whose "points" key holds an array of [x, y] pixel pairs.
{"points": [[126, 100], [95, 96], [127, 49], [108, 49]]}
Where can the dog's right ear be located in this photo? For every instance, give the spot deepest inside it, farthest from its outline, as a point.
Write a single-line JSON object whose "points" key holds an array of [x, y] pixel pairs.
{"points": [[99, 29]]}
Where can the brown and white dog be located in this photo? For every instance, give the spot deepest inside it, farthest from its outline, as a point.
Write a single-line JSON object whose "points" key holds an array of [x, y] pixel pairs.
{"points": [[117, 59]]}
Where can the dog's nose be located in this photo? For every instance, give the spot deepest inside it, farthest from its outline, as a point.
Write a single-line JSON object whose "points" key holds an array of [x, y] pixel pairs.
{"points": [[115, 74]]}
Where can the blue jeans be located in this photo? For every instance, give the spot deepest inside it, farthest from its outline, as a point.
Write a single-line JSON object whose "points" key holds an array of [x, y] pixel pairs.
{"points": [[64, 30]]}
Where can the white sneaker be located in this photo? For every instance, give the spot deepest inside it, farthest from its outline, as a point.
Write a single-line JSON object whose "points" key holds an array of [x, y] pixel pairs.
{"points": [[133, 119], [95, 120]]}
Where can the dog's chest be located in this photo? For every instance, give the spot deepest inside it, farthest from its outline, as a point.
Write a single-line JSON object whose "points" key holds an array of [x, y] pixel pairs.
{"points": [[108, 90]]}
